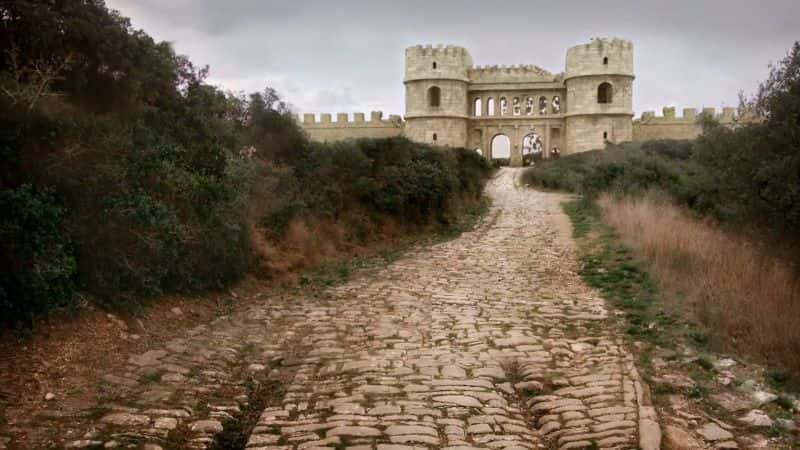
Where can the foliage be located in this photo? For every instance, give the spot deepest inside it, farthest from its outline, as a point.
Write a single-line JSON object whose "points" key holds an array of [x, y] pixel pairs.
{"points": [[393, 177], [127, 176], [37, 267], [628, 168]]}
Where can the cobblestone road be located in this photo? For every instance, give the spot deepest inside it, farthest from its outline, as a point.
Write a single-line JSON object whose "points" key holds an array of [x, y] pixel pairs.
{"points": [[490, 340]]}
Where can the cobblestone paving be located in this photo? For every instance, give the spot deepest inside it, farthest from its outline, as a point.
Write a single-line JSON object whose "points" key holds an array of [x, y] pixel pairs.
{"points": [[487, 341], [490, 340]]}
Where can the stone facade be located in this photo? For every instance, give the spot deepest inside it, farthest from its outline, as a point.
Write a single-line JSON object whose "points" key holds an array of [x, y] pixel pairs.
{"points": [[451, 102]]}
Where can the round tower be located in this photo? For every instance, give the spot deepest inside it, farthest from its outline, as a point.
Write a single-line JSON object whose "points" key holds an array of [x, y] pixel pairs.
{"points": [[437, 106], [599, 82]]}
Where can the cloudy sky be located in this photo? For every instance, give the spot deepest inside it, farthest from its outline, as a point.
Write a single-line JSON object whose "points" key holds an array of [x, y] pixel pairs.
{"points": [[347, 56]]}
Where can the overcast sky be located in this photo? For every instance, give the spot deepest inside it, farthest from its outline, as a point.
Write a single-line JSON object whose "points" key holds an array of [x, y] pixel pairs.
{"points": [[347, 56]]}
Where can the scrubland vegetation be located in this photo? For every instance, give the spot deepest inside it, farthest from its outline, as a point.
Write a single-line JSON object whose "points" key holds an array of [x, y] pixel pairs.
{"points": [[716, 220], [125, 175]]}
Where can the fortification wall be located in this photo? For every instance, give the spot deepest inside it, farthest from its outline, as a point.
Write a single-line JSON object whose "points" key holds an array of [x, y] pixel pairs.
{"points": [[327, 130], [669, 126]]}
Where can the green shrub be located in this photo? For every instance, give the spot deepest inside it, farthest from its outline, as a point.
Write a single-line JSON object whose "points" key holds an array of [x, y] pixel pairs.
{"points": [[394, 177], [628, 168], [36, 258]]}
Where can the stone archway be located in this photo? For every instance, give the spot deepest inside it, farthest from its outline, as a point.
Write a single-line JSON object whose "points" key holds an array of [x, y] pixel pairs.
{"points": [[500, 147], [532, 148]]}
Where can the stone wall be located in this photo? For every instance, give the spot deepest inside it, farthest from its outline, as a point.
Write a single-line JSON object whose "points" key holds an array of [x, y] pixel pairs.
{"points": [[452, 101], [344, 128], [449, 132], [582, 95], [588, 59], [509, 74], [668, 126], [441, 63], [585, 133]]}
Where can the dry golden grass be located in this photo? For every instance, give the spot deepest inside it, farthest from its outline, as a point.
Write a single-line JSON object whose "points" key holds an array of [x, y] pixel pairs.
{"points": [[748, 299]]}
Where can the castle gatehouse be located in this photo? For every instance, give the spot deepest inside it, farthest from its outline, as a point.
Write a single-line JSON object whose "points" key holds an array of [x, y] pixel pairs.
{"points": [[524, 108]]}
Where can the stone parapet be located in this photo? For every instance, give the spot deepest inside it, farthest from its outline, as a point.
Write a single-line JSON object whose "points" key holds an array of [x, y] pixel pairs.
{"points": [[325, 129]]}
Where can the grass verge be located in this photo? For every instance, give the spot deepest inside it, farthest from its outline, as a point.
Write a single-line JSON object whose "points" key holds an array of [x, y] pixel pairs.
{"points": [[657, 322], [656, 326]]}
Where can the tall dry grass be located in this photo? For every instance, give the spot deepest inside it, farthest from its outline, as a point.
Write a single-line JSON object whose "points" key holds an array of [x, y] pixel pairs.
{"points": [[748, 299]]}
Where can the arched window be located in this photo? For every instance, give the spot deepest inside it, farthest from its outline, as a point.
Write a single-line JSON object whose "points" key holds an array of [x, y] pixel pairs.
{"points": [[605, 61], [434, 137], [604, 93], [515, 103], [542, 105], [434, 64], [490, 106], [529, 106], [503, 106], [556, 104], [434, 96], [476, 107], [605, 135]]}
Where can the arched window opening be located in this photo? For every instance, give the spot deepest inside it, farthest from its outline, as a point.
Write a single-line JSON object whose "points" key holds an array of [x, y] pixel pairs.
{"points": [[604, 93], [434, 137], [605, 61], [501, 147], [503, 106], [532, 149], [542, 105], [517, 110], [556, 104], [531, 143], [490, 106], [476, 107], [529, 106], [605, 135], [434, 64], [434, 96]]}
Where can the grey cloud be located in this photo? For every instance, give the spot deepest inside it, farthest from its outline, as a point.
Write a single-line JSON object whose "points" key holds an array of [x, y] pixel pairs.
{"points": [[332, 56]]}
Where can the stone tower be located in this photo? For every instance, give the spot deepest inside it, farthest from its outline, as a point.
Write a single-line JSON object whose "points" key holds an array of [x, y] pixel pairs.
{"points": [[599, 85], [437, 83]]}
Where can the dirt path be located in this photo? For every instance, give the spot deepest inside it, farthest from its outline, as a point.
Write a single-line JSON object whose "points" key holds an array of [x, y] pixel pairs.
{"points": [[490, 340]]}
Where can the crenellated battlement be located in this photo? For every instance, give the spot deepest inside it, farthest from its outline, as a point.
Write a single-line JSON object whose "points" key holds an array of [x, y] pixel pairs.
{"points": [[603, 42], [438, 50], [325, 129], [671, 126], [690, 115], [343, 119], [515, 73]]}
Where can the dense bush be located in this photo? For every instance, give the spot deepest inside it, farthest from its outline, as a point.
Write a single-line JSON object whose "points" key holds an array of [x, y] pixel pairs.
{"points": [[395, 177], [37, 266], [124, 175], [628, 168]]}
